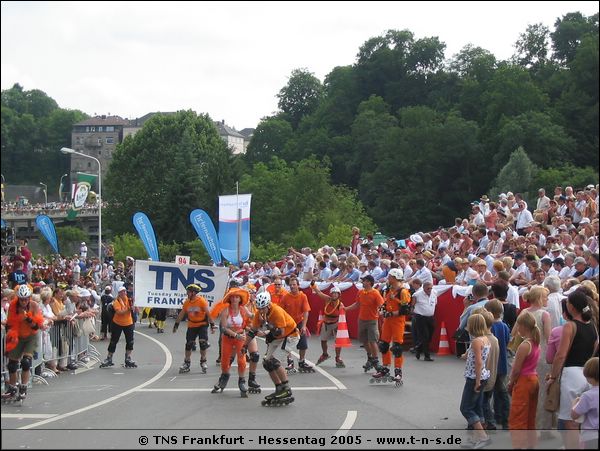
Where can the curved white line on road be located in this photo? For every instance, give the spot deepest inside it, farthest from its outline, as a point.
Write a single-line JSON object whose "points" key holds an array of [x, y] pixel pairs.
{"points": [[324, 373], [169, 361], [336, 381], [348, 423]]}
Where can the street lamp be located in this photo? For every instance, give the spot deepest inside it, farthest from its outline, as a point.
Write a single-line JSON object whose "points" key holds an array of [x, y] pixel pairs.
{"points": [[67, 150], [45, 193], [60, 188]]}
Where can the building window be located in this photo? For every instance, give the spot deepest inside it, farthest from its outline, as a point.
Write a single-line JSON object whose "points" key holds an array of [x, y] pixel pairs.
{"points": [[89, 165], [100, 128], [87, 129], [110, 128], [110, 140], [92, 129]]}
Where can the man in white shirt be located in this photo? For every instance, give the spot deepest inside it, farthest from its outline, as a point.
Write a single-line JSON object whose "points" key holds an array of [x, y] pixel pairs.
{"points": [[422, 273], [543, 201], [424, 301], [478, 218], [524, 217]]}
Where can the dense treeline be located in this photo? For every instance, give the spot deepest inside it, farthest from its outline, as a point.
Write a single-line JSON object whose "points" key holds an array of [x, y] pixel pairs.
{"points": [[420, 136], [33, 130], [402, 139]]}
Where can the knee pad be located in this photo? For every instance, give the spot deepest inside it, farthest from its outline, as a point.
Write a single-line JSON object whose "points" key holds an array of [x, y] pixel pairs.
{"points": [[13, 366], [189, 345], [271, 365], [254, 357], [26, 363], [204, 345], [396, 349], [384, 346]]}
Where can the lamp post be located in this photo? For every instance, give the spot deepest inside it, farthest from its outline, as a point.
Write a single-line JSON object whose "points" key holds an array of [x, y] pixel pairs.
{"points": [[60, 188], [45, 193], [67, 150]]}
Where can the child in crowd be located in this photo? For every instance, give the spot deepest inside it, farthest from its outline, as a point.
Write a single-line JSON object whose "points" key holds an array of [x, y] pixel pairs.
{"points": [[587, 405], [502, 334], [524, 384]]}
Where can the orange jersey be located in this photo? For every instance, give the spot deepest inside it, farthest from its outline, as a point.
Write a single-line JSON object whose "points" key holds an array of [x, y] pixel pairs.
{"points": [[295, 305], [195, 310], [369, 301], [276, 297], [393, 301], [276, 317], [120, 306]]}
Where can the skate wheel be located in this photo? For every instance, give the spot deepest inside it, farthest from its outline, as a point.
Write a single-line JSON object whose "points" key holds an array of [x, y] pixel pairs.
{"points": [[371, 381]]}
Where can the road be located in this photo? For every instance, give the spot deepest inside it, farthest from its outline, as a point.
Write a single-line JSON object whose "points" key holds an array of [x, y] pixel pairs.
{"points": [[155, 399]]}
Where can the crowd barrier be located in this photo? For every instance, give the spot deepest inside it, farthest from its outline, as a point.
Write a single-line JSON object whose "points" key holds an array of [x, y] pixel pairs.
{"points": [[64, 343], [448, 309]]}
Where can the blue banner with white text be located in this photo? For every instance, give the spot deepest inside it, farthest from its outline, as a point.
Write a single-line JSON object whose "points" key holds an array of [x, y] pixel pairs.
{"points": [[146, 232], [206, 232], [46, 226]]}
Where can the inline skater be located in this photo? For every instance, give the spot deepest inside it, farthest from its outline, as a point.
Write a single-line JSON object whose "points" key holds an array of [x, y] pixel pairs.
{"points": [[295, 303], [331, 315], [394, 310], [24, 321], [196, 308], [282, 336], [233, 319], [122, 322]]}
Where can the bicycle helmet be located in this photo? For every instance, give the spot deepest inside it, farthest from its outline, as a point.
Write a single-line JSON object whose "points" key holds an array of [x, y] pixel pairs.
{"points": [[24, 291], [193, 287], [263, 299]]}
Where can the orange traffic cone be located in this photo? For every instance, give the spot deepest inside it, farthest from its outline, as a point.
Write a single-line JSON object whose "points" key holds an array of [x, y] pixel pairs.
{"points": [[342, 339], [444, 348]]}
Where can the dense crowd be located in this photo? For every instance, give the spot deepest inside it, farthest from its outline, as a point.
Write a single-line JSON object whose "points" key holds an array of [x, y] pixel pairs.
{"points": [[505, 250]]}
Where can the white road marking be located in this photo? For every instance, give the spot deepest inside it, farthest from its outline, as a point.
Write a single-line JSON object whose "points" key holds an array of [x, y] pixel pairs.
{"points": [[166, 367], [336, 381], [333, 379], [348, 423], [173, 378], [227, 389], [23, 416]]}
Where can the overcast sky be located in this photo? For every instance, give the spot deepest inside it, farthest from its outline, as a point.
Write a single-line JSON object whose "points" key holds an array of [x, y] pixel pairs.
{"points": [[227, 59]]}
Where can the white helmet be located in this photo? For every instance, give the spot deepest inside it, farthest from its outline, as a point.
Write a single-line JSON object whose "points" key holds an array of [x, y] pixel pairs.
{"points": [[335, 290], [263, 299], [24, 291], [396, 273]]}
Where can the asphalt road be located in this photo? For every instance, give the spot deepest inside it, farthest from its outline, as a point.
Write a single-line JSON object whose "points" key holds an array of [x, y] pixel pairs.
{"points": [[109, 408]]}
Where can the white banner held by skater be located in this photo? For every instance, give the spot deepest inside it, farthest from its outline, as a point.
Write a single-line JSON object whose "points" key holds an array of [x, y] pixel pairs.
{"points": [[161, 284]]}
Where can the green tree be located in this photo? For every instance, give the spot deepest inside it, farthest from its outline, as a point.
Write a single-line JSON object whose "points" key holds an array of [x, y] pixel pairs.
{"points": [[301, 96], [129, 244], [515, 176], [68, 238], [532, 47], [564, 175], [269, 140], [174, 164], [545, 141], [569, 33], [291, 202]]}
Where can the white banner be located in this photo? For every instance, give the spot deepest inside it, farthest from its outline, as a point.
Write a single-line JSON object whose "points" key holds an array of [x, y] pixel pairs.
{"points": [[228, 207], [161, 284]]}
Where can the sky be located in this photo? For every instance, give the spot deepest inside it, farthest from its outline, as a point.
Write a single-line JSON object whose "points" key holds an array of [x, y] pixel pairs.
{"points": [[227, 59]]}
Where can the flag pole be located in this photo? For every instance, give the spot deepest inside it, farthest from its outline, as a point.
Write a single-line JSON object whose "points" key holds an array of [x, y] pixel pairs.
{"points": [[239, 221]]}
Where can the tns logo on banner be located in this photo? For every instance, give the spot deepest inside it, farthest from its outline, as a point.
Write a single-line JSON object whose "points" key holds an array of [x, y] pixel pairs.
{"points": [[161, 284], [146, 232]]}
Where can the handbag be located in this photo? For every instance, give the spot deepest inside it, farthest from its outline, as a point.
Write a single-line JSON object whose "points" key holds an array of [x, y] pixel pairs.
{"points": [[552, 401]]}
